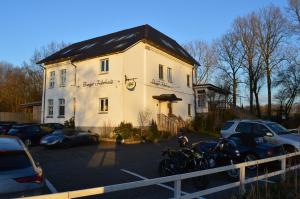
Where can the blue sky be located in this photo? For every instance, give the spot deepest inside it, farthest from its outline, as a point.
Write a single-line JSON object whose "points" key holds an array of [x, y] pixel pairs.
{"points": [[27, 25]]}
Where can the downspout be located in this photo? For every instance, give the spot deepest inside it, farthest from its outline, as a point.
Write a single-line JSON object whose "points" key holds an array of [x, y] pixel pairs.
{"points": [[195, 96], [44, 91], [75, 85]]}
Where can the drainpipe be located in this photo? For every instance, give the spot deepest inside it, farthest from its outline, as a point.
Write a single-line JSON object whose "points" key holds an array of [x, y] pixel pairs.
{"points": [[195, 95], [75, 84], [44, 90]]}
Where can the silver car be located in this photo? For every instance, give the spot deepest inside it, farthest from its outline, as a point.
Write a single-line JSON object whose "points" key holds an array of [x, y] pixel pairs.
{"points": [[272, 132], [18, 172]]}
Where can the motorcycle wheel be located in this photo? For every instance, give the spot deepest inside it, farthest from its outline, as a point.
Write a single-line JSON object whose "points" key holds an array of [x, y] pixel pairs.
{"points": [[165, 167], [201, 182], [233, 174]]}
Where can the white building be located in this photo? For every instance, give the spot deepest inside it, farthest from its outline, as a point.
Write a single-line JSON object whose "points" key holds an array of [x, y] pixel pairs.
{"points": [[210, 98], [115, 77]]}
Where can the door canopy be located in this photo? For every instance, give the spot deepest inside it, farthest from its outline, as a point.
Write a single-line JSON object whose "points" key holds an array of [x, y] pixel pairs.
{"points": [[167, 97]]}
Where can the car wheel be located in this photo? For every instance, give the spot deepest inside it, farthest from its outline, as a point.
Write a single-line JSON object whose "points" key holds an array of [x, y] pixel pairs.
{"points": [[249, 158], [288, 149], [27, 142]]}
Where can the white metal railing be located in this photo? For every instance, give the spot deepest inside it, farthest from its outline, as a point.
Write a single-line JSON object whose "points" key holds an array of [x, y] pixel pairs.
{"points": [[178, 178]]}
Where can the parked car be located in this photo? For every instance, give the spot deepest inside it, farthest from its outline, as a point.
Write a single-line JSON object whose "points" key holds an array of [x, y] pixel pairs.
{"points": [[18, 171], [237, 148], [295, 131], [29, 134], [5, 126], [272, 132], [68, 138]]}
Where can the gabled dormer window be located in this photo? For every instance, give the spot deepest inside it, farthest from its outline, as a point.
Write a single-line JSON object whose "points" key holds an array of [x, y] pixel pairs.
{"points": [[104, 66], [52, 79]]}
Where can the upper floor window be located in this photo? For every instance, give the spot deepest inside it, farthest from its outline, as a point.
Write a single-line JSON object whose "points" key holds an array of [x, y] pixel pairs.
{"points": [[201, 100], [61, 107], [52, 79], [188, 81], [169, 75], [161, 72], [103, 105], [63, 76], [50, 107], [104, 66]]}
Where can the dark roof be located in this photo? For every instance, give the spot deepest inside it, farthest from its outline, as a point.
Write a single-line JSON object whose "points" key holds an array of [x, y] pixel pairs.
{"points": [[117, 42], [167, 97], [31, 104], [213, 87]]}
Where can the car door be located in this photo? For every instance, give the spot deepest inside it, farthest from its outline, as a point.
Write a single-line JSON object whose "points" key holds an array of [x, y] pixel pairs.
{"points": [[36, 133]]}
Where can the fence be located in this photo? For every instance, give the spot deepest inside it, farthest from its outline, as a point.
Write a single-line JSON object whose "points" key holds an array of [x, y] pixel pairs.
{"points": [[16, 116], [169, 123], [178, 178]]}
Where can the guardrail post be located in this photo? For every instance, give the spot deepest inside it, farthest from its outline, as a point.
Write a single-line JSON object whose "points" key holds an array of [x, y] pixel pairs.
{"points": [[177, 189], [283, 167], [242, 180]]}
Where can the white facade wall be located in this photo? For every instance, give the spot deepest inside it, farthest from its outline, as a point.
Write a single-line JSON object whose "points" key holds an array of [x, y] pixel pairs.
{"points": [[141, 62]]}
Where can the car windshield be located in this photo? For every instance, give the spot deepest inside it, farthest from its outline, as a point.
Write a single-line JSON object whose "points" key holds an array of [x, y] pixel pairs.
{"points": [[14, 161], [13, 130], [58, 132], [278, 129]]}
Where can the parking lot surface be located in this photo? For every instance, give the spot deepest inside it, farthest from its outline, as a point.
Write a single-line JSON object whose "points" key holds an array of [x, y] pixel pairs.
{"points": [[108, 163]]}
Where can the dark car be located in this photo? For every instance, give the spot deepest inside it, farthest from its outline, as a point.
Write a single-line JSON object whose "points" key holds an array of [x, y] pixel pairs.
{"points": [[240, 148], [29, 134], [5, 126], [68, 138]]}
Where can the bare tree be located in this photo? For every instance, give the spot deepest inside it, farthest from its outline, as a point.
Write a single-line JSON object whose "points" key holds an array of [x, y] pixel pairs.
{"points": [[288, 81], [271, 29], [230, 61], [21, 84], [294, 15], [204, 54], [144, 118], [244, 29]]}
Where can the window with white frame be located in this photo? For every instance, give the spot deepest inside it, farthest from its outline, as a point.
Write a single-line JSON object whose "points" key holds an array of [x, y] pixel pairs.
{"points": [[169, 75], [52, 79], [50, 107], [63, 77], [201, 99], [104, 66], [103, 105], [161, 72], [61, 107]]}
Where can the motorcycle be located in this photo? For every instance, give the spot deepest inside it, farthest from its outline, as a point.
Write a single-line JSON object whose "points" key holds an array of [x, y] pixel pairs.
{"points": [[183, 161], [213, 153]]}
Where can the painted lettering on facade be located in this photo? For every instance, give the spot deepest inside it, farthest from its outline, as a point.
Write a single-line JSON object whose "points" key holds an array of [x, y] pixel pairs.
{"points": [[160, 83], [98, 83]]}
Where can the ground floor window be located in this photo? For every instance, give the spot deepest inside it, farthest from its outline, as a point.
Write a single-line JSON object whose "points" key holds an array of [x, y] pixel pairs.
{"points": [[50, 107], [103, 105], [189, 109], [61, 107]]}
